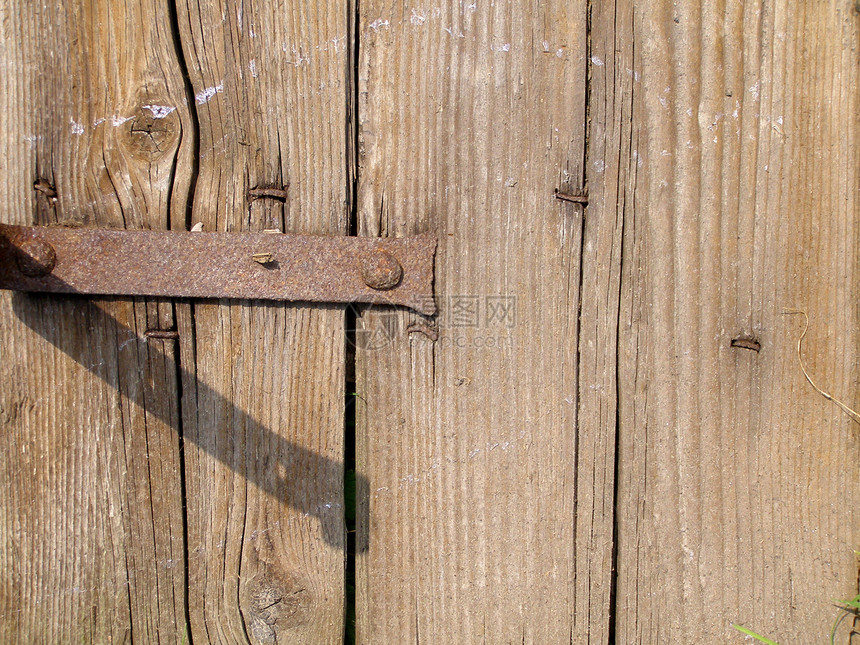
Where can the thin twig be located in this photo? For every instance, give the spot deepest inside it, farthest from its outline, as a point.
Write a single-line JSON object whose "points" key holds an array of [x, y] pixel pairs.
{"points": [[847, 410]]}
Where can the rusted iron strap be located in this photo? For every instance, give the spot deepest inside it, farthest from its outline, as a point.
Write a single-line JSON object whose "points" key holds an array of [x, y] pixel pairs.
{"points": [[268, 266]]}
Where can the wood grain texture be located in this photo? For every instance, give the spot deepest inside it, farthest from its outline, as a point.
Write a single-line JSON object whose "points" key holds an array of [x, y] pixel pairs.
{"points": [[470, 117], [92, 536], [611, 174], [738, 484], [263, 383]]}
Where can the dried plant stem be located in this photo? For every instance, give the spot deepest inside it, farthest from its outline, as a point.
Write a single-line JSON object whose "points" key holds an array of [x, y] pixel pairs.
{"points": [[853, 414]]}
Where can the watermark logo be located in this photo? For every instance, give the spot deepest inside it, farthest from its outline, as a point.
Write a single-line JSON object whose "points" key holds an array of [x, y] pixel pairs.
{"points": [[377, 335], [461, 321]]}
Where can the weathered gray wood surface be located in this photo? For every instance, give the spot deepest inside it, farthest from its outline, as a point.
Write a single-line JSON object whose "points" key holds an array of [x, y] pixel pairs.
{"points": [[739, 486], [722, 183], [264, 424], [91, 530], [94, 536], [480, 527], [580, 455]]}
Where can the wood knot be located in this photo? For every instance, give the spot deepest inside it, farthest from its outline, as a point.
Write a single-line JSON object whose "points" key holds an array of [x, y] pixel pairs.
{"points": [[274, 604], [152, 131]]}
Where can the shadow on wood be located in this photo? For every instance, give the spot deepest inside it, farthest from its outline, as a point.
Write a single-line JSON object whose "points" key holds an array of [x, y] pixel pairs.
{"points": [[289, 471]]}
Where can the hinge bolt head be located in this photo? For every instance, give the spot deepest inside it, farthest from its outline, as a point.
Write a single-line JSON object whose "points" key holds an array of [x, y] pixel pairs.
{"points": [[36, 258], [380, 270]]}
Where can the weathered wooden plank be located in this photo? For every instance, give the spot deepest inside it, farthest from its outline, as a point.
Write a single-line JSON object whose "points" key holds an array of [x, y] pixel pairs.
{"points": [[738, 484], [611, 173], [471, 116], [263, 393], [92, 536]]}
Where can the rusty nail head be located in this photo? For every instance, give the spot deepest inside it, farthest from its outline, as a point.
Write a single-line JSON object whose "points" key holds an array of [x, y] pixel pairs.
{"points": [[381, 270], [746, 342], [37, 258]]}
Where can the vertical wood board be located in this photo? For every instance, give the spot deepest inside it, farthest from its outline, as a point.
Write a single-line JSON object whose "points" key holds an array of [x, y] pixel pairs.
{"points": [[470, 117], [92, 544], [263, 387], [738, 483]]}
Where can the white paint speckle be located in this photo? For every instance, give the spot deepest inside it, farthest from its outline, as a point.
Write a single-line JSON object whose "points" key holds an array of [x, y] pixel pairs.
{"points": [[379, 22], [77, 128], [717, 117], [128, 342], [98, 122], [336, 41], [510, 182], [417, 18], [204, 96], [159, 111], [754, 90], [409, 479], [252, 67], [599, 165], [117, 120], [301, 59], [595, 61]]}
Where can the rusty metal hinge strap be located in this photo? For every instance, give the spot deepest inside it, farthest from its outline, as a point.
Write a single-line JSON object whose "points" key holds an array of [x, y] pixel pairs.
{"points": [[267, 266]]}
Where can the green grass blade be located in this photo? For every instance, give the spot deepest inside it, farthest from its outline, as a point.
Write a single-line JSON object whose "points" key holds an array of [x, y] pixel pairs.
{"points": [[854, 603], [758, 637], [849, 607]]}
